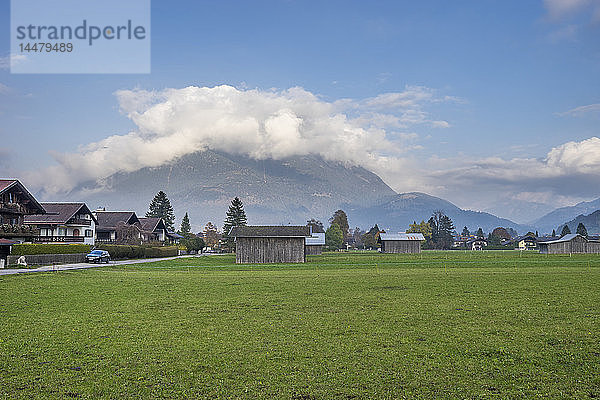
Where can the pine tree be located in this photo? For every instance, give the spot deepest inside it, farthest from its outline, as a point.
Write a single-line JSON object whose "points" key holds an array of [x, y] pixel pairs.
{"points": [[160, 207], [565, 231], [185, 225], [480, 233], [553, 233], [236, 216], [581, 229], [465, 232]]}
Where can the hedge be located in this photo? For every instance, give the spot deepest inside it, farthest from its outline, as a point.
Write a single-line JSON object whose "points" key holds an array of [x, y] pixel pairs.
{"points": [[35, 249], [131, 251]]}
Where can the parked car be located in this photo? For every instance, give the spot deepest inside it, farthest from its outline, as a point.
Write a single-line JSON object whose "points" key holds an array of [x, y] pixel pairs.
{"points": [[98, 256]]}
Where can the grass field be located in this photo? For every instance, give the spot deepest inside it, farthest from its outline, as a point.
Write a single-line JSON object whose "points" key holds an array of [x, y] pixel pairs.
{"points": [[342, 326]]}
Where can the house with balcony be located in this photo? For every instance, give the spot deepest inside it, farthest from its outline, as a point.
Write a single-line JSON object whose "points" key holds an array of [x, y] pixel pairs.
{"points": [[16, 202], [118, 227], [64, 223]]}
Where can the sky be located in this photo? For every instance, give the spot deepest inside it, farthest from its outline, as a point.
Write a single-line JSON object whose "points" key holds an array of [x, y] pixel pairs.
{"points": [[492, 105]]}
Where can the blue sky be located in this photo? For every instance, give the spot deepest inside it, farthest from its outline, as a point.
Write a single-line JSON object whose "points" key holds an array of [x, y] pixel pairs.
{"points": [[506, 78]]}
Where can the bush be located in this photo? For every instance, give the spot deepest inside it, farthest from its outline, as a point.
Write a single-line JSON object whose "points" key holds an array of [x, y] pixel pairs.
{"points": [[35, 249], [131, 251]]}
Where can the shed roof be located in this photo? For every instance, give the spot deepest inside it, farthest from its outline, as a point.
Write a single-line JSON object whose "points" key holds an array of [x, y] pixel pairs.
{"points": [[270, 231], [316, 239], [566, 238], [401, 236], [58, 213]]}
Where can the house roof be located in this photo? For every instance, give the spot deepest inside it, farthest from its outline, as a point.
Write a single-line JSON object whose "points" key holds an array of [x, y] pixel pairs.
{"points": [[270, 231], [6, 184], [110, 219], [7, 242], [401, 236], [58, 213], [566, 238], [316, 239], [174, 235], [150, 224]]}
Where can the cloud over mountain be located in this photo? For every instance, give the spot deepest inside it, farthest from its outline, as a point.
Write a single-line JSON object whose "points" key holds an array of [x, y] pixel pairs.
{"points": [[256, 123]]}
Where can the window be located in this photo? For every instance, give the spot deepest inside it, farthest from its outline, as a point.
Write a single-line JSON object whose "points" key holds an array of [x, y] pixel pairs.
{"points": [[62, 232], [89, 233], [75, 232]]}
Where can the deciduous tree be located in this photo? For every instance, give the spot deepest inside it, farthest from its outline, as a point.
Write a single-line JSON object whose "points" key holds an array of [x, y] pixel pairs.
{"points": [[341, 220], [334, 238]]}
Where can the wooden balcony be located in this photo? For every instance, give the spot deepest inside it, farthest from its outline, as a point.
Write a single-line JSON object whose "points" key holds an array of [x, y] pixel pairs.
{"points": [[11, 231], [59, 239], [80, 221]]}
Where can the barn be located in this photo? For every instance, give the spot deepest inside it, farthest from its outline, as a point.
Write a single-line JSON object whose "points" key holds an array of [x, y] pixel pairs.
{"points": [[568, 244], [270, 244], [401, 242]]}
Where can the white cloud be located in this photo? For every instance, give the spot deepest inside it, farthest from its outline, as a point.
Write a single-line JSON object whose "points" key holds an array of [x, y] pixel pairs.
{"points": [[14, 59], [4, 89], [256, 123], [582, 110], [569, 171], [561, 8]]}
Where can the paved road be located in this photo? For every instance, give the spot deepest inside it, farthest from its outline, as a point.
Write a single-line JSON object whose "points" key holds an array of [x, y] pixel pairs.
{"points": [[65, 267]]}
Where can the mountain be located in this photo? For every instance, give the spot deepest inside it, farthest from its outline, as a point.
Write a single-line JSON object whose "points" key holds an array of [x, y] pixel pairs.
{"points": [[274, 192], [401, 210], [559, 216], [591, 222]]}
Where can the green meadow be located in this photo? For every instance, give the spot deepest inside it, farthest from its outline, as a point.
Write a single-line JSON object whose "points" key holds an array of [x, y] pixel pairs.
{"points": [[491, 324]]}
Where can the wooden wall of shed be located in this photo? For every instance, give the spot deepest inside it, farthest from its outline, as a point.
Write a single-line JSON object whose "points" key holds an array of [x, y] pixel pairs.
{"points": [[576, 245], [269, 250], [314, 249], [593, 247], [401, 246]]}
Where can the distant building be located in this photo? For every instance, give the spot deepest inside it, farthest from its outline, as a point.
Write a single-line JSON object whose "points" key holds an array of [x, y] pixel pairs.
{"points": [[526, 243], [568, 244], [315, 242], [64, 223], [477, 244], [270, 244], [15, 203], [400, 242]]}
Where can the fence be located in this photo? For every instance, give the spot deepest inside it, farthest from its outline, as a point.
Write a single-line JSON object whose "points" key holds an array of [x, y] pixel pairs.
{"points": [[47, 259]]}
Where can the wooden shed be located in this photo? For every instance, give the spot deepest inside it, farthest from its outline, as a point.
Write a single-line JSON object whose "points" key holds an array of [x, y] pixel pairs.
{"points": [[270, 244], [401, 242], [568, 244]]}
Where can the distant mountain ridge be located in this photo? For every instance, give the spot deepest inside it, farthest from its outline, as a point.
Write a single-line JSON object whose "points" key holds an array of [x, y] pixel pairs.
{"points": [[289, 191], [560, 216], [402, 209], [591, 222]]}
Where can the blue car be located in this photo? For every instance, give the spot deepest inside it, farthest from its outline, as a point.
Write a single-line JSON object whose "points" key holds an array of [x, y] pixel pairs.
{"points": [[98, 256]]}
